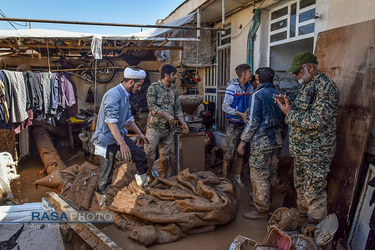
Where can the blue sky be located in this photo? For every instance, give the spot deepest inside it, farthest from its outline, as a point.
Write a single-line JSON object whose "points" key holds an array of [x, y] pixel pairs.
{"points": [[114, 11]]}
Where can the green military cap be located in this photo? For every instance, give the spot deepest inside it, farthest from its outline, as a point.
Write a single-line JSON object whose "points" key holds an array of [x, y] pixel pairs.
{"points": [[301, 59]]}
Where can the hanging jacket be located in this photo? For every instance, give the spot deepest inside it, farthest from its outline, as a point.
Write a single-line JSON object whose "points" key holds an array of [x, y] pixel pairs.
{"points": [[34, 90]]}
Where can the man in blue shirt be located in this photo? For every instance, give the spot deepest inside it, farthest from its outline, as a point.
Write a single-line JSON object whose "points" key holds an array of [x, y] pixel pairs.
{"points": [[235, 104], [110, 134], [263, 131]]}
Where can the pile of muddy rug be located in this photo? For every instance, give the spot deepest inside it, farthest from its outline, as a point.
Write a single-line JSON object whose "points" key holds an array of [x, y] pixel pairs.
{"points": [[173, 208]]}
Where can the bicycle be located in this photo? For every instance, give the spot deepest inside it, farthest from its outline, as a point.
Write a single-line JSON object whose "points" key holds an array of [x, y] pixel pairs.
{"points": [[105, 70]]}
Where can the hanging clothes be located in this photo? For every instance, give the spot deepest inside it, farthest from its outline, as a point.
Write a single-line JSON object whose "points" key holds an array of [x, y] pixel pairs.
{"points": [[90, 96], [66, 90], [18, 96], [46, 91], [54, 94], [19, 126], [3, 103], [34, 91], [4, 79]]}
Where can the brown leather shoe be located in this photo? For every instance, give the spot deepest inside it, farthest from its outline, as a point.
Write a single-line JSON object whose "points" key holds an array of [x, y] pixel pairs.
{"points": [[255, 215]]}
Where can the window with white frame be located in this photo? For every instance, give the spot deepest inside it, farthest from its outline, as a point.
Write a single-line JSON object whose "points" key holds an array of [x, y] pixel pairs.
{"points": [[292, 21]]}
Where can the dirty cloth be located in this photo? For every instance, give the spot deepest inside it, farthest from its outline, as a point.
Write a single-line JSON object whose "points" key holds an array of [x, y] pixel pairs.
{"points": [[310, 181], [161, 139], [18, 95], [8, 143], [184, 204], [83, 187], [234, 131], [263, 175]]}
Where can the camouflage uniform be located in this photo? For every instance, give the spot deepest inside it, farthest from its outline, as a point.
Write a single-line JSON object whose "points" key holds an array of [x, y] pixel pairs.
{"points": [[263, 164], [234, 131], [312, 142], [158, 129]]}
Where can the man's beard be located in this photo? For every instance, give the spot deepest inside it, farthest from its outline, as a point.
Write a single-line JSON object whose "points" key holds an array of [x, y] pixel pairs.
{"points": [[301, 81], [304, 78], [131, 90], [170, 80]]}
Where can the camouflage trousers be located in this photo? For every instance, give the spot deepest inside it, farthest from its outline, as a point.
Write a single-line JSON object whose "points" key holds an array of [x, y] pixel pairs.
{"points": [[310, 181], [234, 131], [263, 165], [163, 139]]}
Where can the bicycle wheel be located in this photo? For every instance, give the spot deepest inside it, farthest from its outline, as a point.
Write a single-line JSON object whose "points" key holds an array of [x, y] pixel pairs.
{"points": [[104, 72]]}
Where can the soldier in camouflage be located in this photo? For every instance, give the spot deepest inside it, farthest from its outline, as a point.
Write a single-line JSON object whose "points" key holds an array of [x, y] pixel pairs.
{"points": [[312, 134], [264, 130], [164, 105]]}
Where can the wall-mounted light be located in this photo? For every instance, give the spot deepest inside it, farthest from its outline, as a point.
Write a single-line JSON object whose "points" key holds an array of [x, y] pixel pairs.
{"points": [[317, 16]]}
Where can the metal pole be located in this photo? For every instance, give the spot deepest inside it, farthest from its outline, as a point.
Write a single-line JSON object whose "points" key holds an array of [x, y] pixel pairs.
{"points": [[223, 17], [198, 22], [107, 24]]}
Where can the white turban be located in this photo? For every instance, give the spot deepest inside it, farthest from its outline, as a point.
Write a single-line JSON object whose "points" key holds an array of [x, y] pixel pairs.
{"points": [[134, 73]]}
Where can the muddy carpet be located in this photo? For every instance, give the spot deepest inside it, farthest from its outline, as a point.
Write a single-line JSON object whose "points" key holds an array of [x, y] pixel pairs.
{"points": [[188, 203]]}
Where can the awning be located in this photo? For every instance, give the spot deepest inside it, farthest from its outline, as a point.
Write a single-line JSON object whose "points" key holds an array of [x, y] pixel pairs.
{"points": [[155, 34]]}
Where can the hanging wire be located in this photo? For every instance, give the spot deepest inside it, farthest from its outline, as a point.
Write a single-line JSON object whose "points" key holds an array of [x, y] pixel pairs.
{"points": [[247, 23], [12, 22]]}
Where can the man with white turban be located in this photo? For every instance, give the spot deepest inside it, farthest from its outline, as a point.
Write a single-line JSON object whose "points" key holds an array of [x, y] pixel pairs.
{"points": [[110, 134]]}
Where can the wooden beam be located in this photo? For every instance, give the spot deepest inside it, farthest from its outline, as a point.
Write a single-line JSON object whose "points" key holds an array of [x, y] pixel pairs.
{"points": [[109, 24], [87, 231], [34, 46]]}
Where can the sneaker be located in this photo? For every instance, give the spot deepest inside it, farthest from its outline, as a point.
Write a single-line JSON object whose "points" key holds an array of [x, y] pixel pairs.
{"points": [[237, 180], [255, 215]]}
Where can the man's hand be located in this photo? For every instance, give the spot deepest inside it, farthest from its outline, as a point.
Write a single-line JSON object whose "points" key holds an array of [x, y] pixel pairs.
{"points": [[243, 116], [166, 115], [125, 152], [144, 139], [241, 147], [185, 128], [285, 107]]}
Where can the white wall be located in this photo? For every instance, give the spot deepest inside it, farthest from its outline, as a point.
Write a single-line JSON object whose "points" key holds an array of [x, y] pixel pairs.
{"points": [[184, 10], [239, 37], [345, 12]]}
